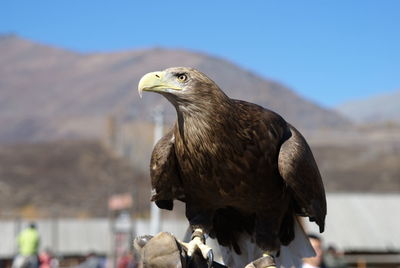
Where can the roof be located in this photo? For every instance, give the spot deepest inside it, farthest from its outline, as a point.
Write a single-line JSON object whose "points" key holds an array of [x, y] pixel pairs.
{"points": [[362, 222]]}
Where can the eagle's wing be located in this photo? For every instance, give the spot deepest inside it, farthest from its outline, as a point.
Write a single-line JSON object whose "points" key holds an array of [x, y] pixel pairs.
{"points": [[297, 167], [164, 172]]}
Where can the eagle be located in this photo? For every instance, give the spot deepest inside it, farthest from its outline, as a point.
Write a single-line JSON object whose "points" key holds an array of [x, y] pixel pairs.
{"points": [[243, 172]]}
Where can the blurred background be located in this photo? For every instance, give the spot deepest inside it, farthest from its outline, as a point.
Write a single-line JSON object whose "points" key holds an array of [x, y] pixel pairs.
{"points": [[75, 139]]}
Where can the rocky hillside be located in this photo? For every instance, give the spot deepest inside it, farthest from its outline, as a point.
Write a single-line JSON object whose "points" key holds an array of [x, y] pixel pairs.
{"points": [[50, 93], [65, 179], [75, 179]]}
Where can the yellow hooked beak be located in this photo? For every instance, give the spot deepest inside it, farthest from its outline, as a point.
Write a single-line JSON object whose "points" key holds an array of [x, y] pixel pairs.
{"points": [[156, 82]]}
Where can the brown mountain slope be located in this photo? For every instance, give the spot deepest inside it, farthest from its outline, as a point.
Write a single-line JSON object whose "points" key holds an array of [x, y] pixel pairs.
{"points": [[50, 93], [70, 179], [67, 179]]}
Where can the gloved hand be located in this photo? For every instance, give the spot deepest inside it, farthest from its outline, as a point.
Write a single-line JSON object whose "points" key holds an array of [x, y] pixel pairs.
{"points": [[165, 251]]}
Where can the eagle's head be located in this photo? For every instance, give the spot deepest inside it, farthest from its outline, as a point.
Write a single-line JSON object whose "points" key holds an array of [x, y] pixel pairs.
{"points": [[182, 86]]}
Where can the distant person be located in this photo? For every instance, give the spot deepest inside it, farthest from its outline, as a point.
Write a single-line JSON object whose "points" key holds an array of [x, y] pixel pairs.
{"points": [[28, 244], [127, 260], [47, 260], [317, 261], [92, 261], [333, 258]]}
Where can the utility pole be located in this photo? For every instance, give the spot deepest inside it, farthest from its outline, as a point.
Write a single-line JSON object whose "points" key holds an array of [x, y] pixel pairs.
{"points": [[158, 133]]}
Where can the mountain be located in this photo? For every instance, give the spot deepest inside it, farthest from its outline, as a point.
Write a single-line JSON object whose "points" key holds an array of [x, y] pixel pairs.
{"points": [[48, 93], [377, 109], [51, 93]]}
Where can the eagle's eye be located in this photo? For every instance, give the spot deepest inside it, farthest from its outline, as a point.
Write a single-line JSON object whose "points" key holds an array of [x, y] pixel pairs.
{"points": [[182, 78]]}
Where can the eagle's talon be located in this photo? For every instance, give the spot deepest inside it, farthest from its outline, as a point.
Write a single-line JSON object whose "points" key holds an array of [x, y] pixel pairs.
{"points": [[210, 258], [197, 244]]}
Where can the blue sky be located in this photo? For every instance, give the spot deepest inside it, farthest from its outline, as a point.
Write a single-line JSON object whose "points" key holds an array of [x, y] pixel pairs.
{"points": [[327, 51]]}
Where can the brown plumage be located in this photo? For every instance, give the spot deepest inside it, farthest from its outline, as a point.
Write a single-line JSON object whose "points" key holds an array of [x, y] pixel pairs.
{"points": [[237, 166]]}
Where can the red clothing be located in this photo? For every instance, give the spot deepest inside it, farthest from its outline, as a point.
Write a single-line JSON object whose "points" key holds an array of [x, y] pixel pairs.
{"points": [[124, 261], [45, 260]]}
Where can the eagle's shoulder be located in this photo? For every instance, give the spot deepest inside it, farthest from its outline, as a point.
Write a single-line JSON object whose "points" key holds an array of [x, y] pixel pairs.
{"points": [[164, 172], [257, 112], [163, 150], [265, 125], [299, 170]]}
